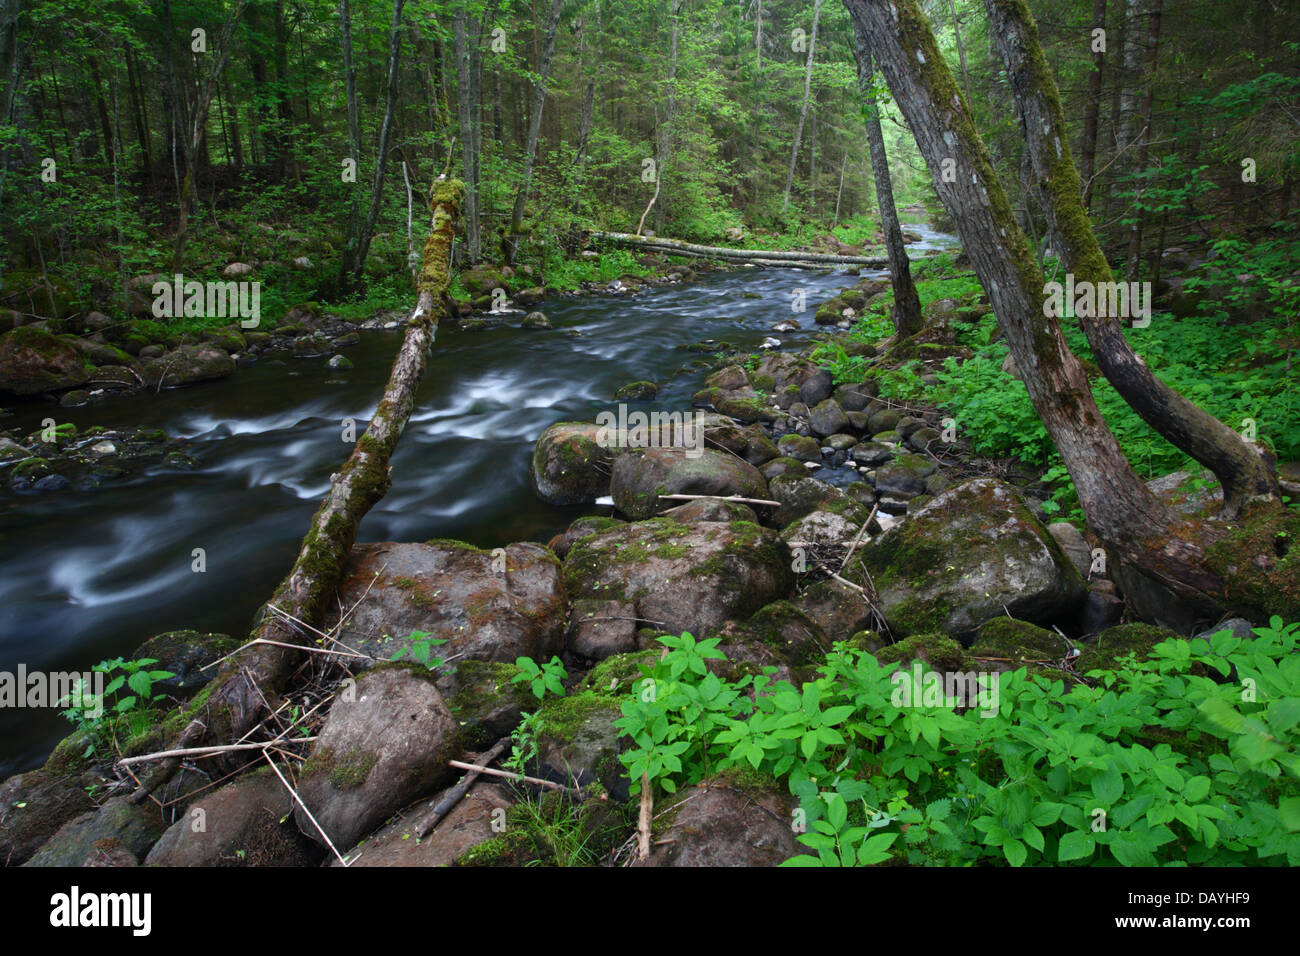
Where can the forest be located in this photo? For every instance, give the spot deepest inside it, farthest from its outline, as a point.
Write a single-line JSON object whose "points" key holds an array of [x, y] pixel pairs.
{"points": [[666, 433]]}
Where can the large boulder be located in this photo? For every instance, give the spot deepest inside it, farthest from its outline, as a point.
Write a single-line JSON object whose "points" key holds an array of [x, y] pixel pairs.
{"points": [[569, 465], [185, 654], [246, 823], [384, 744], [970, 554], [187, 365], [681, 577], [490, 605], [32, 361], [640, 477]]}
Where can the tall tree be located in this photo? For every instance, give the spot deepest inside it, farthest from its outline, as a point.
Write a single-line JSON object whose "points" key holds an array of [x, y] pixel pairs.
{"points": [[907, 303], [1154, 9], [1244, 470], [351, 237], [534, 126], [803, 106], [1092, 111], [1144, 536]]}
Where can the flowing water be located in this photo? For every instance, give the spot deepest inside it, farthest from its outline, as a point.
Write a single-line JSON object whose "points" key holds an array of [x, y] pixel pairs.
{"points": [[86, 576]]}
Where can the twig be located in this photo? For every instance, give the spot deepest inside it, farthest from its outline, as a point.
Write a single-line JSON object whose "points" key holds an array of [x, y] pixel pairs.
{"points": [[457, 793], [298, 800], [208, 751], [736, 498], [517, 777]]}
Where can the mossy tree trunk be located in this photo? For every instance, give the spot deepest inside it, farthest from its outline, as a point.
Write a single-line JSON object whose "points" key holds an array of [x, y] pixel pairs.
{"points": [[1139, 531], [251, 680], [1246, 471], [907, 303]]}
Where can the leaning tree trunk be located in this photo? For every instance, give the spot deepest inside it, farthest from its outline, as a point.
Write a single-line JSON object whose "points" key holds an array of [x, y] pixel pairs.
{"points": [[1134, 525], [1246, 471], [907, 304], [240, 693]]}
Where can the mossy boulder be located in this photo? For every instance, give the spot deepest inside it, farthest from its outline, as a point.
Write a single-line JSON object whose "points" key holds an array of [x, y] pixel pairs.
{"points": [[799, 447], [1007, 644], [32, 361], [482, 279], [570, 465], [839, 610], [973, 553], [681, 577], [801, 495], [789, 630], [187, 365], [637, 392], [185, 654], [386, 741], [580, 528], [484, 701], [1111, 646], [83, 841], [34, 806], [938, 650], [640, 478], [578, 744], [488, 605]]}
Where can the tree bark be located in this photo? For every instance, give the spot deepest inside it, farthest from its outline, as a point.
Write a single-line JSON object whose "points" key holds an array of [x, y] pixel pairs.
{"points": [[665, 131], [241, 692], [803, 108], [350, 240], [907, 303], [1245, 471], [466, 111], [1144, 134], [534, 127], [1092, 112], [1138, 530]]}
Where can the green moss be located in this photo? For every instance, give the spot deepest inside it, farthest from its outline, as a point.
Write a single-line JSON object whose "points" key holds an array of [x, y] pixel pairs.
{"points": [[938, 650], [1115, 643], [1259, 561], [563, 718]]}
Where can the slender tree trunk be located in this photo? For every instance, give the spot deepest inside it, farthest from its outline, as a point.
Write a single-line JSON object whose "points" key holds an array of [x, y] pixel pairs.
{"points": [[138, 113], [907, 304], [238, 698], [351, 239], [385, 130], [534, 126], [1244, 470], [666, 128], [803, 108], [1144, 136], [961, 52], [1092, 112], [1140, 532], [466, 107]]}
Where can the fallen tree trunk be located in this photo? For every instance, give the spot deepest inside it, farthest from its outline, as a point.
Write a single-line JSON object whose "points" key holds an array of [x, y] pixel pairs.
{"points": [[246, 688], [677, 247]]}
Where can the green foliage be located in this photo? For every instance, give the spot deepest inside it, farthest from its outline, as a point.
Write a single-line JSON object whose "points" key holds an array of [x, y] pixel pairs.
{"points": [[124, 706], [420, 650], [1191, 757], [541, 678]]}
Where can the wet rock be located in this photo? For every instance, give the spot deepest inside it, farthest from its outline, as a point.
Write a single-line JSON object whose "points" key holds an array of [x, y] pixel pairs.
{"points": [[800, 495], [904, 476], [711, 509], [869, 454], [637, 392], [490, 605], [246, 823], [784, 466], [187, 365], [339, 361], [640, 477], [972, 553], [1073, 544], [382, 746], [74, 399], [750, 442], [682, 577], [580, 528], [799, 447], [536, 320], [32, 361]]}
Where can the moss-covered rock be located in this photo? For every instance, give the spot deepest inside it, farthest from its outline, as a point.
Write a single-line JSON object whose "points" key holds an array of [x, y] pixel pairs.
{"points": [[484, 701], [570, 465], [641, 477], [973, 553], [938, 650], [1111, 646], [32, 361]]}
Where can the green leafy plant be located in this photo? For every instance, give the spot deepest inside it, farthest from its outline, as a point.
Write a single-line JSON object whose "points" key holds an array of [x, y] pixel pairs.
{"points": [[123, 704], [541, 678], [420, 650]]}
